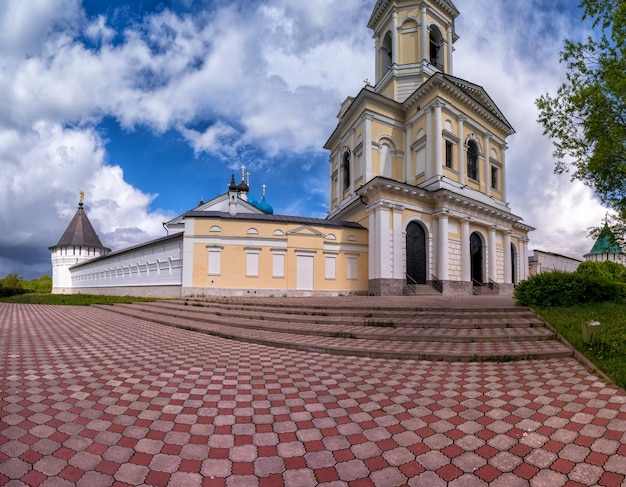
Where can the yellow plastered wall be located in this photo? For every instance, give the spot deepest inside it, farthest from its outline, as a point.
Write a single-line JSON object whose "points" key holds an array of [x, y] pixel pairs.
{"points": [[235, 242]]}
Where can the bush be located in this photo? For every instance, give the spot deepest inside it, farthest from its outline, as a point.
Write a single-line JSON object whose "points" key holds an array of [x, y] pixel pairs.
{"points": [[608, 270], [559, 288], [7, 292]]}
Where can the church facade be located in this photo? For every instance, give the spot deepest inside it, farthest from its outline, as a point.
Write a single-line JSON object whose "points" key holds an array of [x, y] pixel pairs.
{"points": [[417, 179]]}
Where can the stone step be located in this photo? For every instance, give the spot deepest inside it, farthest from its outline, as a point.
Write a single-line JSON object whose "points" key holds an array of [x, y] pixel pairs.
{"points": [[418, 343], [364, 330], [419, 290], [373, 318], [297, 307]]}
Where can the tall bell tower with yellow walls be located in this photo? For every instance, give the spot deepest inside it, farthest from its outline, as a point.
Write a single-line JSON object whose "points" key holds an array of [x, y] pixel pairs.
{"points": [[419, 158], [414, 40]]}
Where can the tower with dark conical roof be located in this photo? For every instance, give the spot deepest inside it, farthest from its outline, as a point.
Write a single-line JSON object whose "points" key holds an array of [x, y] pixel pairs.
{"points": [[79, 243]]}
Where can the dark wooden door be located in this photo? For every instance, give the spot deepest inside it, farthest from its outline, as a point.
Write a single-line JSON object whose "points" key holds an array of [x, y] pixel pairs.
{"points": [[415, 254]]}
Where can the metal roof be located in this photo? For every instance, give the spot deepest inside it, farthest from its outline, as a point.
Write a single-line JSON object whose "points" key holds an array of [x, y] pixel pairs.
{"points": [[80, 232], [272, 218]]}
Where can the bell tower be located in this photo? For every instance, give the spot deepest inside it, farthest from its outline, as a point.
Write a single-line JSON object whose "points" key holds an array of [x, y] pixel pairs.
{"points": [[414, 40]]}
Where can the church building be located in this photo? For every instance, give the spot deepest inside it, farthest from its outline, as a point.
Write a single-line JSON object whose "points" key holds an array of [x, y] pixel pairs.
{"points": [[417, 180]]}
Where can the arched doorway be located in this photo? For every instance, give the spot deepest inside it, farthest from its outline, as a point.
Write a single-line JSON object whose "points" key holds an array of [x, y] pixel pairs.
{"points": [[513, 264], [415, 254], [476, 253]]}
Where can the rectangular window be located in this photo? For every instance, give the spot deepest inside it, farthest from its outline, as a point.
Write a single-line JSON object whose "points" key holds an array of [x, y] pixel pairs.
{"points": [[252, 262], [494, 177], [215, 257], [449, 154], [331, 265], [278, 263], [352, 266]]}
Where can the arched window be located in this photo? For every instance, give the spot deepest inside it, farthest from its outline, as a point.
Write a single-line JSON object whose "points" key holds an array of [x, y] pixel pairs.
{"points": [[436, 47], [387, 53], [472, 160], [345, 168]]}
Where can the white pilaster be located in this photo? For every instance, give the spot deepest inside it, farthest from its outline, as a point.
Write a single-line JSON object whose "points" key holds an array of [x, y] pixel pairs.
{"points": [[503, 176], [508, 267], [374, 263], [352, 162], [438, 139], [466, 259], [492, 254], [377, 57], [442, 249], [367, 150], [461, 151], [409, 172], [487, 157], [429, 145], [398, 243]]}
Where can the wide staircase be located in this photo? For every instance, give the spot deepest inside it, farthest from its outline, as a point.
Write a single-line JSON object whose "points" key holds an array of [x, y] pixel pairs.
{"points": [[366, 327]]}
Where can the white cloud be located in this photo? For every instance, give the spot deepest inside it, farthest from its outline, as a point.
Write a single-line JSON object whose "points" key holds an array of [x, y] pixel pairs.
{"points": [[514, 55], [39, 192], [271, 77]]}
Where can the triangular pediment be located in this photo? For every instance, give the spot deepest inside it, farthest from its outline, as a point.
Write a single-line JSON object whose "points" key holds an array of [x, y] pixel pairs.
{"points": [[469, 94], [479, 94], [306, 231], [219, 204]]}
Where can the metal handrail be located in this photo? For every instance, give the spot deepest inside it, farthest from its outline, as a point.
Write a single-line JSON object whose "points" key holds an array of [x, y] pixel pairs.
{"points": [[494, 286], [437, 284], [411, 278]]}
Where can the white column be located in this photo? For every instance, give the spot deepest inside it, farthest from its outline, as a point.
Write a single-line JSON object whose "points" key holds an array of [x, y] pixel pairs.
{"points": [[508, 267], [442, 261], [450, 51], [383, 244], [524, 260], [377, 57], [503, 176], [367, 150], [492, 254], [424, 33], [409, 172], [374, 263], [466, 259], [437, 140], [429, 144], [461, 154], [352, 162], [398, 243], [394, 37], [487, 172]]}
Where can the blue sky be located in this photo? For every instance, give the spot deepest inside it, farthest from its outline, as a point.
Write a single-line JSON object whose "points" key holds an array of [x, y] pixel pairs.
{"points": [[150, 105]]}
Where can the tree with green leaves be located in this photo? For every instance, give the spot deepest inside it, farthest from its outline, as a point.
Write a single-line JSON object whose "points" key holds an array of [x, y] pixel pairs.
{"points": [[586, 119]]}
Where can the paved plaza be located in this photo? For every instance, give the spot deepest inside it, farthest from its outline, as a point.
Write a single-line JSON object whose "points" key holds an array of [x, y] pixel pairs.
{"points": [[92, 398]]}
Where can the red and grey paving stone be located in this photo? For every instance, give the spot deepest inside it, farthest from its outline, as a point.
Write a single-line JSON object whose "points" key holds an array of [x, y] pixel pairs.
{"points": [[91, 398]]}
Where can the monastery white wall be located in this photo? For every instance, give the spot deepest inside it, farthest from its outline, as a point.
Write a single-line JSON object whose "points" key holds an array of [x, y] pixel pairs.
{"points": [[542, 261], [153, 269]]}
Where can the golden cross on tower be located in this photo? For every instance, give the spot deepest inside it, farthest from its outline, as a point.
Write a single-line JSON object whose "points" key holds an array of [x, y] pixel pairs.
{"points": [[82, 195]]}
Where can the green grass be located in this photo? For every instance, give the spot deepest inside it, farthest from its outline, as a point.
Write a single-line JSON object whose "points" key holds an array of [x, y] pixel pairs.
{"points": [[609, 352], [71, 299]]}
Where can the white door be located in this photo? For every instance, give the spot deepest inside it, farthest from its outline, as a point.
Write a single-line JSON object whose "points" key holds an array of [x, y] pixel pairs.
{"points": [[305, 272]]}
